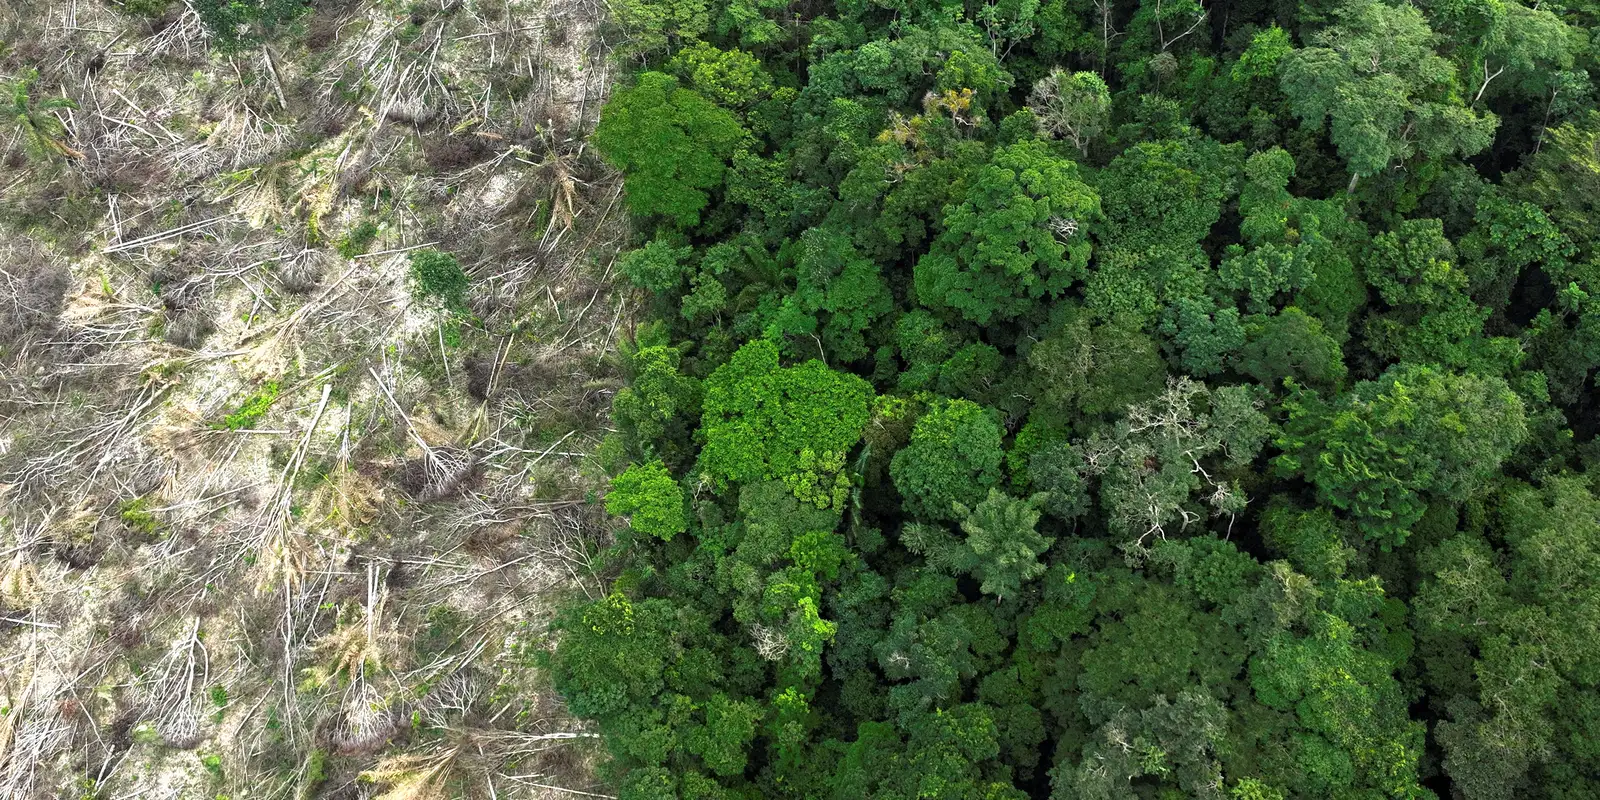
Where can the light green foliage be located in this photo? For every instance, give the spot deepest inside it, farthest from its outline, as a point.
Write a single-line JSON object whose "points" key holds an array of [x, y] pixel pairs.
{"points": [[1000, 533], [1371, 74], [252, 409], [730, 78], [1265, 272], [1506, 48], [1312, 541], [1564, 179], [1262, 58], [671, 143], [794, 424], [437, 278], [652, 25], [651, 499], [782, 554], [1376, 452], [1434, 321], [136, 515], [953, 460], [617, 656], [1509, 237], [1020, 233], [1351, 708], [936, 754]]}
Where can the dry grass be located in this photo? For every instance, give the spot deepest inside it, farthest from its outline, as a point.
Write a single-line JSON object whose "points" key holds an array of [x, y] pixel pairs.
{"points": [[271, 527]]}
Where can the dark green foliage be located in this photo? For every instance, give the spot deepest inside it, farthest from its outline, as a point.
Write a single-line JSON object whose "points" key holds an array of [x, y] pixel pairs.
{"points": [[236, 24], [952, 461], [1502, 616], [1378, 451], [1290, 345], [1142, 400], [438, 278]]}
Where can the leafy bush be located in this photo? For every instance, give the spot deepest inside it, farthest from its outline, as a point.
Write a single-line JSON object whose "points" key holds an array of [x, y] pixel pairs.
{"points": [[238, 24], [437, 278]]}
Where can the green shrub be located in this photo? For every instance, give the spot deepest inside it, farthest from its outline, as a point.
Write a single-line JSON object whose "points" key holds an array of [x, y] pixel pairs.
{"points": [[237, 24], [437, 277], [358, 239]]}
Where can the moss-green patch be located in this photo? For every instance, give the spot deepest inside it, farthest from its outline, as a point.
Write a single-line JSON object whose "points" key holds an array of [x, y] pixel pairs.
{"points": [[213, 764], [253, 409], [359, 239], [136, 515]]}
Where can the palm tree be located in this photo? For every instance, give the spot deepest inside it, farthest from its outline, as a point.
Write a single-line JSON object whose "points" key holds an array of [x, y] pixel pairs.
{"points": [[42, 131]]}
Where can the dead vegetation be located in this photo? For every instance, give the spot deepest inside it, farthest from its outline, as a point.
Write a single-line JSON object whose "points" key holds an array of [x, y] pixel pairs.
{"points": [[270, 524]]}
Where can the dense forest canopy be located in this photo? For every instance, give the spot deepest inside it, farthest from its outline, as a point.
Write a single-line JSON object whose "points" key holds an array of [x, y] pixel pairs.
{"points": [[1104, 399]]}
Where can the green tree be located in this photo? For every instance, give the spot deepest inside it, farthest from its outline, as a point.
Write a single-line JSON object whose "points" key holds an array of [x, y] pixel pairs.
{"points": [[1152, 461], [1019, 234], [42, 132], [437, 278], [1290, 345], [730, 78], [947, 754], [1168, 193], [654, 25], [1001, 544], [835, 282], [654, 410], [672, 145], [1377, 451], [952, 461], [1375, 76], [1173, 743], [236, 24], [1074, 106], [657, 267], [653, 501], [1079, 369], [1503, 617], [762, 421]]}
